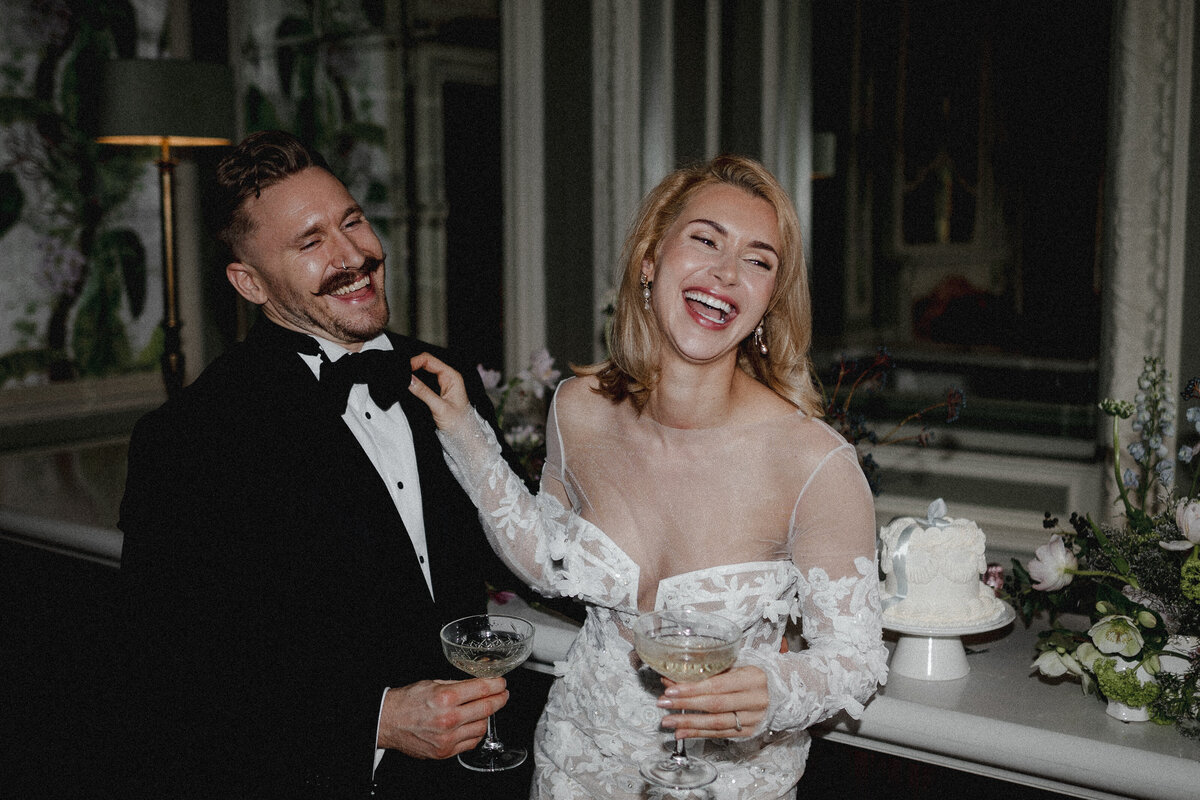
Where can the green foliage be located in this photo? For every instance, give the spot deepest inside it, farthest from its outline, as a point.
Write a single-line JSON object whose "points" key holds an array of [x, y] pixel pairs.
{"points": [[1178, 701], [100, 343], [16, 365], [1124, 687], [151, 355], [1190, 577], [120, 251], [261, 114]]}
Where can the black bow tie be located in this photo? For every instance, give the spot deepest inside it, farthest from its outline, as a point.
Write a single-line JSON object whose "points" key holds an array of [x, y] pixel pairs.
{"points": [[385, 373]]}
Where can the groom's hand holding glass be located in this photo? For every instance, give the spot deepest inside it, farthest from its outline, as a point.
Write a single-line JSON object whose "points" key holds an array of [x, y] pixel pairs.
{"points": [[439, 719]]}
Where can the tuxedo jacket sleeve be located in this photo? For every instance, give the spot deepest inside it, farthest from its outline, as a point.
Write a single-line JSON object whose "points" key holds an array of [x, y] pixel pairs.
{"points": [[273, 593]]}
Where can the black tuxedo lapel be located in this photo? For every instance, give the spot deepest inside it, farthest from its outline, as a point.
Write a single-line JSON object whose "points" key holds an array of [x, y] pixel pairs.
{"points": [[338, 483]]}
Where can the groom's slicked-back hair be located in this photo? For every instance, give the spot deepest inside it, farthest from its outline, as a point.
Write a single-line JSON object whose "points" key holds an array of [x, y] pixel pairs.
{"points": [[260, 161]]}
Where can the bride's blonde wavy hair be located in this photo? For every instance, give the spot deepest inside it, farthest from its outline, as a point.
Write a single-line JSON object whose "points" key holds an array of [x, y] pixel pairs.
{"points": [[631, 370]]}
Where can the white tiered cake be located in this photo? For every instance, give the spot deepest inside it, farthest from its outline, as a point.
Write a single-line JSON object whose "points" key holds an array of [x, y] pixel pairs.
{"points": [[932, 572]]}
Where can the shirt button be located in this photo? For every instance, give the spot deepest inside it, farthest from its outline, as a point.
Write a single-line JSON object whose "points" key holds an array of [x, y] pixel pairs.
{"points": [[399, 484], [368, 415], [421, 559]]}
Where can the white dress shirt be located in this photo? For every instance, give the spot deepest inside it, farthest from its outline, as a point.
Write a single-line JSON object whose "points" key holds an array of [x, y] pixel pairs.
{"points": [[386, 438]]}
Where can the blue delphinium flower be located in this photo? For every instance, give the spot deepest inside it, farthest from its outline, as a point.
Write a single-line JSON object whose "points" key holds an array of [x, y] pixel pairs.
{"points": [[1130, 479], [1138, 451]]}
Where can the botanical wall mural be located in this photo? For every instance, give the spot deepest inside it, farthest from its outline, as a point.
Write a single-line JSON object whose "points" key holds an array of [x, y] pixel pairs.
{"points": [[77, 220], [320, 69]]}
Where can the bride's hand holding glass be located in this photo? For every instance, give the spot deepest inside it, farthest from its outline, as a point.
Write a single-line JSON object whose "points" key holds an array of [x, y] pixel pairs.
{"points": [[726, 706], [685, 646]]}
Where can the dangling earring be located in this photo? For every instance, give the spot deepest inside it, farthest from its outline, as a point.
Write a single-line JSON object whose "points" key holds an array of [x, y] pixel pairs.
{"points": [[646, 284], [758, 340]]}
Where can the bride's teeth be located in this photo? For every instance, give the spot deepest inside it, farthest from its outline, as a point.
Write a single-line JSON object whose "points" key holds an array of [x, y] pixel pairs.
{"points": [[711, 302]]}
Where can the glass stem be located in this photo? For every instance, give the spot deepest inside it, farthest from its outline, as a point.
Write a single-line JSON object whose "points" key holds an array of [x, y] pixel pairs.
{"points": [[680, 756], [491, 741]]}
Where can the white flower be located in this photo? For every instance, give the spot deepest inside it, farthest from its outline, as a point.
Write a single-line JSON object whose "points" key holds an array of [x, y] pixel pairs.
{"points": [[1051, 664], [542, 367], [1117, 634], [523, 436], [541, 374], [490, 377], [1187, 517], [1086, 654], [1051, 564]]}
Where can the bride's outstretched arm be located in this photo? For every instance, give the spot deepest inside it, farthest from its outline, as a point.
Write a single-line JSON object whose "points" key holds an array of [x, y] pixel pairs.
{"points": [[539, 538]]}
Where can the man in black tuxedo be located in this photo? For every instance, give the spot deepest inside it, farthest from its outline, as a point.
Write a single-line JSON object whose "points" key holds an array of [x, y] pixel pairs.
{"points": [[293, 538]]}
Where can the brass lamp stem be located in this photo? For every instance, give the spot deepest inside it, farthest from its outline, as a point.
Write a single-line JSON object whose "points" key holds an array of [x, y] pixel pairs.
{"points": [[172, 357]]}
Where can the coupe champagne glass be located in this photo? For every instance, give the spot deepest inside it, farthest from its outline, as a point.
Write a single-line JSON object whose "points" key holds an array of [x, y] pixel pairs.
{"points": [[488, 646], [684, 646]]}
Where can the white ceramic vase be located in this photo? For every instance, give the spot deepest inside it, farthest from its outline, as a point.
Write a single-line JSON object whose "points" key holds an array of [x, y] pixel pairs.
{"points": [[1120, 710]]}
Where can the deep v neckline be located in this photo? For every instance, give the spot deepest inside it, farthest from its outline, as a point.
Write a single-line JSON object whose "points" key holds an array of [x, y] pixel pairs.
{"points": [[631, 571]]}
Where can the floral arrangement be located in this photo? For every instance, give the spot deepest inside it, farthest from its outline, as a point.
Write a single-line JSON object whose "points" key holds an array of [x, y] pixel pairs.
{"points": [[521, 405], [854, 376], [1136, 581]]}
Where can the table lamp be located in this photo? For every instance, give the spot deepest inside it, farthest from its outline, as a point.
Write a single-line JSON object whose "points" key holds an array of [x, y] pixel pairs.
{"points": [[166, 103]]}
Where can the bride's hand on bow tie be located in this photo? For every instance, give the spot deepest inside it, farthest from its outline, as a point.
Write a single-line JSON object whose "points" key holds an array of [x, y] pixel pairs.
{"points": [[450, 408]]}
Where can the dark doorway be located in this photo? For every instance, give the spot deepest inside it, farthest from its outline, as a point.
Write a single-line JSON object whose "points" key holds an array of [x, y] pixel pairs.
{"points": [[474, 225]]}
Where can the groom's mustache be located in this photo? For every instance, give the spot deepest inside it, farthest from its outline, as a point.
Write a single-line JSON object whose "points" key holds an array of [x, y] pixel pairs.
{"points": [[343, 278]]}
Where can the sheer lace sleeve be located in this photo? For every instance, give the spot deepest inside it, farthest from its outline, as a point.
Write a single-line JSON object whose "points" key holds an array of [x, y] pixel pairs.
{"points": [[833, 545], [542, 541]]}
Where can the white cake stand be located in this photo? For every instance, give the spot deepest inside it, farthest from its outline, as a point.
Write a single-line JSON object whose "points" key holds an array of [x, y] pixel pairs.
{"points": [[935, 653]]}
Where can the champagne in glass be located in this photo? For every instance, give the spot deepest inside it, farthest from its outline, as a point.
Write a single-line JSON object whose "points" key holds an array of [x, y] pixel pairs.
{"points": [[684, 646], [488, 646]]}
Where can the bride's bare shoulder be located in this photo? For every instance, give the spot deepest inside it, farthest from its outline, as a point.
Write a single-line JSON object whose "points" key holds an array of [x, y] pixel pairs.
{"points": [[579, 401], [580, 390], [756, 401]]}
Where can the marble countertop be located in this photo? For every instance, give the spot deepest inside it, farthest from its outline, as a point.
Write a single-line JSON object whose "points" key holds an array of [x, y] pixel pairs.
{"points": [[1002, 721], [65, 498]]}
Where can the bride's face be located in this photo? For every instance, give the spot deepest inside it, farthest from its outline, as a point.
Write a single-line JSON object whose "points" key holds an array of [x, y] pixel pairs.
{"points": [[715, 273]]}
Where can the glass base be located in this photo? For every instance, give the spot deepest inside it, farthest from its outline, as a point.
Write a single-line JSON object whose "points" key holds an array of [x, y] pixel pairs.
{"points": [[484, 759], [676, 772]]}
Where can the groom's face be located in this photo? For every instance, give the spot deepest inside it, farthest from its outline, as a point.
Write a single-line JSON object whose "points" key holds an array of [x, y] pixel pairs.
{"points": [[312, 261]]}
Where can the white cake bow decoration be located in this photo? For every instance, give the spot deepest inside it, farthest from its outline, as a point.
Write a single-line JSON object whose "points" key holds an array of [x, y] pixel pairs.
{"points": [[935, 516]]}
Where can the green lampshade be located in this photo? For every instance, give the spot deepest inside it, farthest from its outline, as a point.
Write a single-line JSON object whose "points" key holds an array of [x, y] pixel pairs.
{"points": [[165, 101]]}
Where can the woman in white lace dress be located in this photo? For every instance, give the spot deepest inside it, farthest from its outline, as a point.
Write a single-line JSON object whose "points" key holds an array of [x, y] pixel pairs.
{"points": [[691, 469]]}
